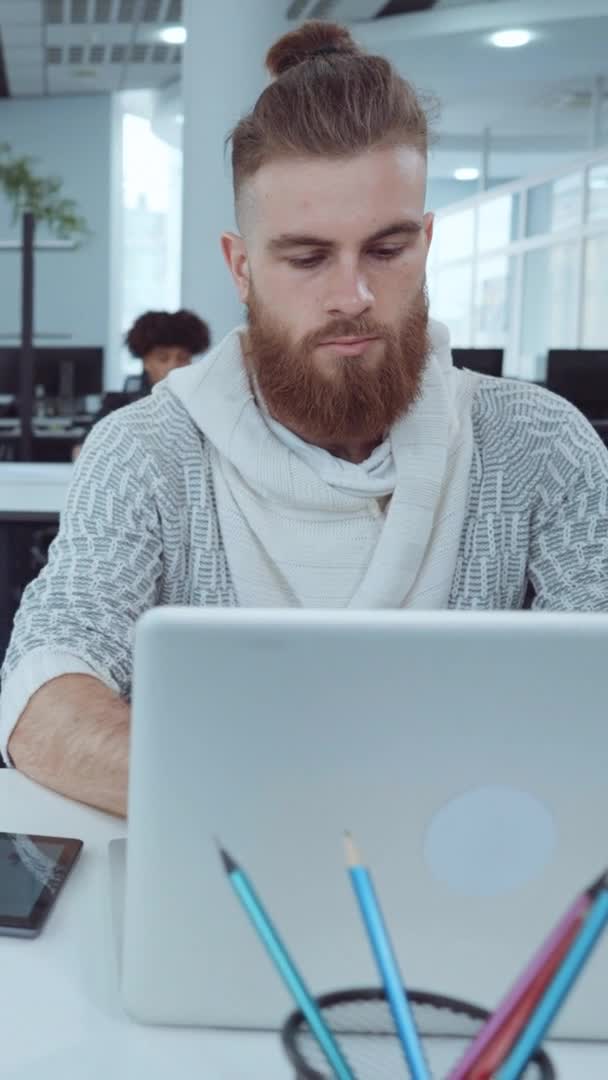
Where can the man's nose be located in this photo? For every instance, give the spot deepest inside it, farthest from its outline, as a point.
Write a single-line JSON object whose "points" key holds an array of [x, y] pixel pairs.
{"points": [[348, 293]]}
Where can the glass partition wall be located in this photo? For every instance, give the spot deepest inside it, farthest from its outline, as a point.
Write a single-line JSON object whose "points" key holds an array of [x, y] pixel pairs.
{"points": [[524, 267]]}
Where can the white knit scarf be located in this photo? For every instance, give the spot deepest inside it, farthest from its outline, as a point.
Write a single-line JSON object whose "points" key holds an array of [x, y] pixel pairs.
{"points": [[302, 528]]}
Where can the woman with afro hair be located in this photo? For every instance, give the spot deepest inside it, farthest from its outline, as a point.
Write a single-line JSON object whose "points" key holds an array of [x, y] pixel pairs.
{"points": [[162, 340], [165, 340]]}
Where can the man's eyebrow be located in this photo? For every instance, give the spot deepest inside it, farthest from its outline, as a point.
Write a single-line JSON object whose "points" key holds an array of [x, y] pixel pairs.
{"points": [[409, 226], [286, 241]]}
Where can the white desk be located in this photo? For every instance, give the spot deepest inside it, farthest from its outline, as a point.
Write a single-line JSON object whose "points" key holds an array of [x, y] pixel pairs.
{"points": [[33, 488], [60, 1016]]}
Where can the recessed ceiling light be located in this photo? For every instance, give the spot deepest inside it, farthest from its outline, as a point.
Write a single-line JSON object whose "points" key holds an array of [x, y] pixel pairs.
{"points": [[466, 174], [179, 118], [511, 39], [173, 35]]}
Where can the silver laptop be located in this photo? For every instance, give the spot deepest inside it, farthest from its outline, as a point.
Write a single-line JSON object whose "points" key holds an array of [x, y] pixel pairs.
{"points": [[466, 752]]}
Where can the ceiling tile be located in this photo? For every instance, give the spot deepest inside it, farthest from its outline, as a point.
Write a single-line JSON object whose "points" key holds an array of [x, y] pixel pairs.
{"points": [[64, 36], [26, 11], [19, 34], [23, 57], [63, 81], [143, 76], [25, 82]]}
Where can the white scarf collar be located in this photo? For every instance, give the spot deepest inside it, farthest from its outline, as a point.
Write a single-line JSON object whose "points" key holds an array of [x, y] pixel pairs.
{"points": [[303, 528]]}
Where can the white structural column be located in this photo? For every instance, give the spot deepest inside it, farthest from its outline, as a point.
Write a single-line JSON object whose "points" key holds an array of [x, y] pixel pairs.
{"points": [[223, 75]]}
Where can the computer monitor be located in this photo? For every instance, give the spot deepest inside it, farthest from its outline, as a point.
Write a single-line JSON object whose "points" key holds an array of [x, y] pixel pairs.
{"points": [[9, 371], [580, 376], [69, 372], [485, 361]]}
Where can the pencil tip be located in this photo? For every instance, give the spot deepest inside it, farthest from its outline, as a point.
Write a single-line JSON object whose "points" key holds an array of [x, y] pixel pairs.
{"points": [[598, 885], [352, 855], [228, 862]]}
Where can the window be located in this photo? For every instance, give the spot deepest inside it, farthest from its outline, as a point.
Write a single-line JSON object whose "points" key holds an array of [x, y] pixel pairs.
{"points": [[549, 305], [595, 327], [598, 193], [151, 224], [455, 236], [492, 301], [557, 205], [452, 301], [498, 223]]}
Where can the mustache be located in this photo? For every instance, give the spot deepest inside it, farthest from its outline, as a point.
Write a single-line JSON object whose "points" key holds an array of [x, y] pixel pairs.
{"points": [[341, 328]]}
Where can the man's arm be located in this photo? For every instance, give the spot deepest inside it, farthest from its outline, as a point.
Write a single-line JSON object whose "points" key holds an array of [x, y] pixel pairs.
{"points": [[568, 561], [75, 627], [73, 737]]}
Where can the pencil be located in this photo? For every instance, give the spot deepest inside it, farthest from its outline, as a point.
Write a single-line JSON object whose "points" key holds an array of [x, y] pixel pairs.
{"points": [[559, 988], [505, 1037], [386, 961], [481, 1052], [286, 968]]}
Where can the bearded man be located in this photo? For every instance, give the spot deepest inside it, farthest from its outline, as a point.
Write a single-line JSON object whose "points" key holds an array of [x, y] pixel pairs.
{"points": [[327, 454]]}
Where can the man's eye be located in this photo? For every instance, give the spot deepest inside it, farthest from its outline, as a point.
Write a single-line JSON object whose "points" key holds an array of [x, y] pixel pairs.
{"points": [[386, 252], [306, 262]]}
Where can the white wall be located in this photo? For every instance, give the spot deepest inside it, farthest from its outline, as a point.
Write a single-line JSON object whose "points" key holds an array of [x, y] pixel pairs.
{"points": [[71, 137], [223, 75]]}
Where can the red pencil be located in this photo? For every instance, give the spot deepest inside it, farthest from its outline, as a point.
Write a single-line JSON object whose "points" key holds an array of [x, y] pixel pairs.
{"points": [[505, 1037]]}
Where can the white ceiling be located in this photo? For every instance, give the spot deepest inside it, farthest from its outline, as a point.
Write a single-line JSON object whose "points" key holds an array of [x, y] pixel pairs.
{"points": [[536, 101], [87, 46]]}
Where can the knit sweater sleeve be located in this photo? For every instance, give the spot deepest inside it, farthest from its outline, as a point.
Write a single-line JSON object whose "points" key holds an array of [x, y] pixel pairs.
{"points": [[568, 562], [103, 571]]}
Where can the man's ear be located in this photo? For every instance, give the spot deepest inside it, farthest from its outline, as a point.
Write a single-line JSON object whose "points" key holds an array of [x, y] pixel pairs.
{"points": [[235, 254], [428, 224]]}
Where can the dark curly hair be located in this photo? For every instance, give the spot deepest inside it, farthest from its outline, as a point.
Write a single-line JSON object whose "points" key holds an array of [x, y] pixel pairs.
{"points": [[182, 328]]}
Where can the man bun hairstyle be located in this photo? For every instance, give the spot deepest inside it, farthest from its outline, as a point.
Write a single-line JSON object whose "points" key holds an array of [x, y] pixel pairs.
{"points": [[328, 98], [313, 39], [181, 329]]}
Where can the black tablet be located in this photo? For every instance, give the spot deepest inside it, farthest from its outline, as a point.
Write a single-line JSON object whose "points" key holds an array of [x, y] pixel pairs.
{"points": [[32, 871]]}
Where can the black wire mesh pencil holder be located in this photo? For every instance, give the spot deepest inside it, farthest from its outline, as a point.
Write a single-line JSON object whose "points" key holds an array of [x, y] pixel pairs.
{"points": [[362, 1023]]}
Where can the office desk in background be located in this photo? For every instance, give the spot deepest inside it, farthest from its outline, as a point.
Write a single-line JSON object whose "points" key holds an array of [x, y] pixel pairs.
{"points": [[31, 499], [53, 439], [61, 1018]]}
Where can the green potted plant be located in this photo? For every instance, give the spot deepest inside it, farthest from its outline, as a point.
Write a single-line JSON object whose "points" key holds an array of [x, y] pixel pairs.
{"points": [[35, 200], [40, 196]]}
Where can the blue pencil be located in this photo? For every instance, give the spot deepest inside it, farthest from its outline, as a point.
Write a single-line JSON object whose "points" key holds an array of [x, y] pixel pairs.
{"points": [[558, 989], [286, 968], [387, 964]]}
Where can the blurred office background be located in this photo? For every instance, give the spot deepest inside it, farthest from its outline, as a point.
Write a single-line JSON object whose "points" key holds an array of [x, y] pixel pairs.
{"points": [[129, 103]]}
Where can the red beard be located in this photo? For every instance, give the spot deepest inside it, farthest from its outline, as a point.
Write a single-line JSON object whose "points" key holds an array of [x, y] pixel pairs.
{"points": [[352, 401]]}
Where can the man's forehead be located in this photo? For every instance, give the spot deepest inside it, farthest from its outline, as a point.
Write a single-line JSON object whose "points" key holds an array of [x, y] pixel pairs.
{"points": [[324, 196]]}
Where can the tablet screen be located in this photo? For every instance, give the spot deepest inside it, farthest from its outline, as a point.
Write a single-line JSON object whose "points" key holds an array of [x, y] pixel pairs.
{"points": [[32, 870]]}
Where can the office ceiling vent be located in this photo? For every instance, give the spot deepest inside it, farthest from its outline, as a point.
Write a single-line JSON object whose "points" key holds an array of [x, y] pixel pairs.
{"points": [[102, 14], [54, 11], [173, 13], [151, 11], [126, 11], [79, 12], [138, 54]]}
